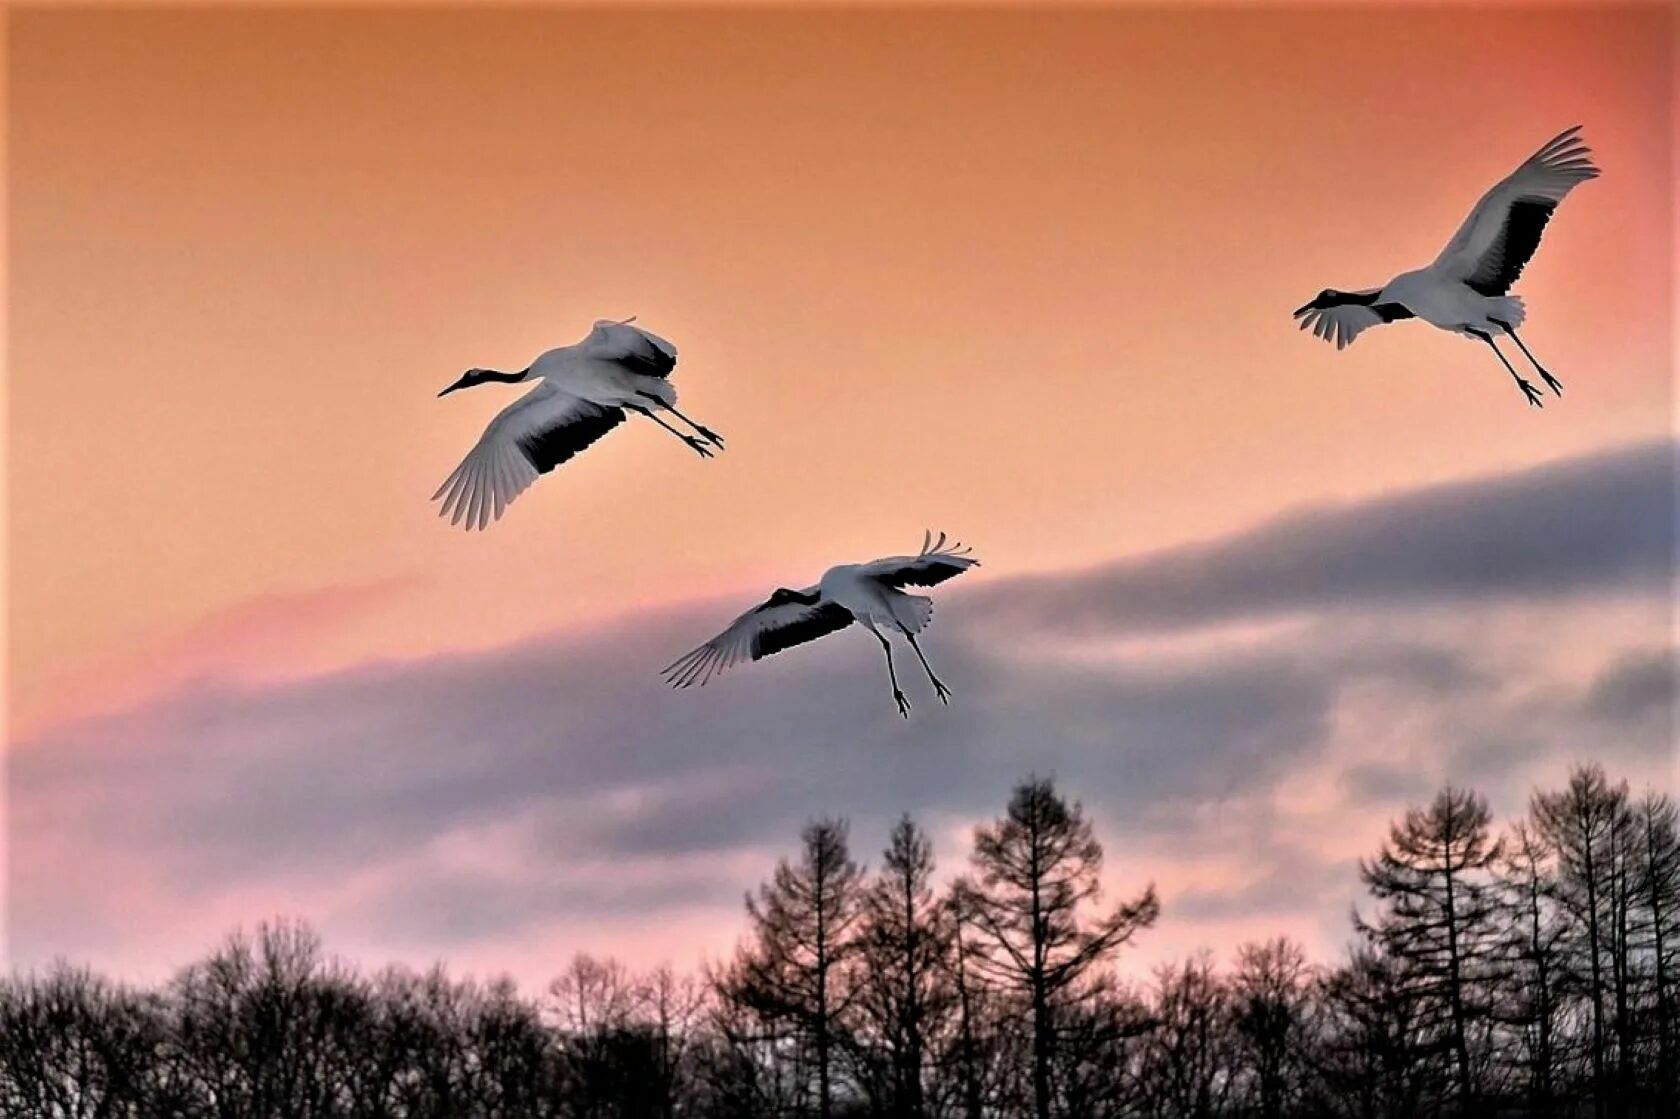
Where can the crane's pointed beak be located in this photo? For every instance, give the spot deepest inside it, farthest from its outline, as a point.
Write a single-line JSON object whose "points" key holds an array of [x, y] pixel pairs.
{"points": [[461, 384], [1303, 309]]}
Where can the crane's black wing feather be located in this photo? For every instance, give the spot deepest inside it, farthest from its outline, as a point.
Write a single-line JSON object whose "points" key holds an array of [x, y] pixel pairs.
{"points": [[787, 618], [527, 439], [935, 563], [1503, 229], [649, 361], [548, 447], [919, 571], [818, 621], [1513, 247]]}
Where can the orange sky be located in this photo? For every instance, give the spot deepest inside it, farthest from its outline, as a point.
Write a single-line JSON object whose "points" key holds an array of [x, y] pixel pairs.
{"points": [[1022, 275]]}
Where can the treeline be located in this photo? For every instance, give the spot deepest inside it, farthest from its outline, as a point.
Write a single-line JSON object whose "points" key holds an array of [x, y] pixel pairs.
{"points": [[1529, 972]]}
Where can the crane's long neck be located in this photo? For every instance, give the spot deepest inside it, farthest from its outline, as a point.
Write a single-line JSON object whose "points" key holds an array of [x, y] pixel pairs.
{"points": [[498, 375], [1363, 298]]}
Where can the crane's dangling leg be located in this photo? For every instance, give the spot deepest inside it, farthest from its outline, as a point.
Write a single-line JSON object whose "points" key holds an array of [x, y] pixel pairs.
{"points": [[713, 437], [898, 693], [1528, 389], [939, 687], [1551, 382], [707, 433], [694, 444]]}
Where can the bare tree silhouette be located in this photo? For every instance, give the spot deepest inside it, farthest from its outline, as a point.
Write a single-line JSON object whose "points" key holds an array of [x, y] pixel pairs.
{"points": [[1582, 823], [1441, 917], [804, 933], [1659, 824], [1271, 1010], [904, 995], [1036, 873]]}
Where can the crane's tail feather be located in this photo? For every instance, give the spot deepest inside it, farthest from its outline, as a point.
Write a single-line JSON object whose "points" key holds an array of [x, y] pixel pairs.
{"points": [[1508, 309], [912, 612]]}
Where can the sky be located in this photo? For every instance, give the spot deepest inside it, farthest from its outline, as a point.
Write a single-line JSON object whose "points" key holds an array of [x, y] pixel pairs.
{"points": [[1021, 276]]}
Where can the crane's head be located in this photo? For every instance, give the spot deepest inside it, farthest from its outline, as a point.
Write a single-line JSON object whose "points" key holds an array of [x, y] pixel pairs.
{"points": [[479, 376], [1325, 298], [1331, 297]]}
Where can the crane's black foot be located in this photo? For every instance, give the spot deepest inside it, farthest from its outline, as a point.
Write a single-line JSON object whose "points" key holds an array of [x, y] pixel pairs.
{"points": [[698, 447], [1531, 392], [1551, 382], [940, 690], [710, 436], [903, 703]]}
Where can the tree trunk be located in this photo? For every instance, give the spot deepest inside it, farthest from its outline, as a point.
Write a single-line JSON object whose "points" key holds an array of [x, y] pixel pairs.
{"points": [[1597, 978], [1619, 971], [1041, 1003], [1665, 1050], [1543, 982], [823, 1087], [1041, 1053], [1455, 993], [910, 1085], [972, 1097]]}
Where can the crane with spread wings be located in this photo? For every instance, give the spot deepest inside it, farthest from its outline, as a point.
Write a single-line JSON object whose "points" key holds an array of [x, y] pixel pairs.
{"points": [[1464, 289], [870, 594]]}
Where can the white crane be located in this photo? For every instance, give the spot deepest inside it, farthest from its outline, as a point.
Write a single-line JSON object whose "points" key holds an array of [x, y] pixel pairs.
{"points": [[1463, 290], [866, 593], [585, 392]]}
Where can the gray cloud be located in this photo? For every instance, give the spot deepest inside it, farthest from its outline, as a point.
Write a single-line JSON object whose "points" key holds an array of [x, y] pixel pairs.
{"points": [[458, 907], [1604, 521], [1624, 719], [1291, 879], [1379, 783], [330, 773], [1637, 686]]}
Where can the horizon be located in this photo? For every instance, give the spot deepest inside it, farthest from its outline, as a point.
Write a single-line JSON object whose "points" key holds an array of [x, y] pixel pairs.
{"points": [[1126, 968]]}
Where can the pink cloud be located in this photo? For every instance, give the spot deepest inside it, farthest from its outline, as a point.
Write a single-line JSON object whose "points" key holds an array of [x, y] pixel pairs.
{"points": [[268, 638]]}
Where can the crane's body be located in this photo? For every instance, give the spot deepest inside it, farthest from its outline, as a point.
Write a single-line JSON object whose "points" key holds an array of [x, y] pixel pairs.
{"points": [[1464, 290], [582, 372], [583, 392], [873, 604], [869, 594], [1444, 302]]}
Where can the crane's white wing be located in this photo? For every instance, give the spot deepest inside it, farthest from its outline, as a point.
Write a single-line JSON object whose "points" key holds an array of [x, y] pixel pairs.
{"points": [[780, 622], [936, 563], [1344, 322], [1503, 230], [640, 351], [531, 436]]}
